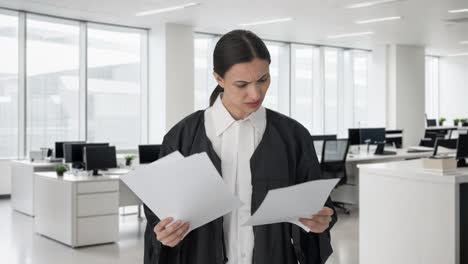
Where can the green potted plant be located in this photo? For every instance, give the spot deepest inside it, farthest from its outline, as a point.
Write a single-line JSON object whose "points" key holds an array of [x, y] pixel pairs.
{"points": [[128, 159], [441, 121], [61, 169], [456, 121]]}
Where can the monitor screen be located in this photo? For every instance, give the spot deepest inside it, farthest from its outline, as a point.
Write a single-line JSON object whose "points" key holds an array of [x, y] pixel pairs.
{"points": [[323, 137], [99, 157], [462, 146], [372, 135], [73, 152], [148, 153], [59, 150]]}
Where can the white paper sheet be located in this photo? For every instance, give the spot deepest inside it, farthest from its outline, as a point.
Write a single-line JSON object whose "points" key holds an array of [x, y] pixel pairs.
{"points": [[188, 189], [291, 203]]}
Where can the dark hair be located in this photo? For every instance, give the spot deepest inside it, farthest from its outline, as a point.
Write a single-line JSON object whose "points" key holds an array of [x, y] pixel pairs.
{"points": [[237, 46]]}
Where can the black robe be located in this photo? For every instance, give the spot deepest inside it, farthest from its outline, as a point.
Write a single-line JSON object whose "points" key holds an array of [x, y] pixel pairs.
{"points": [[285, 156]]}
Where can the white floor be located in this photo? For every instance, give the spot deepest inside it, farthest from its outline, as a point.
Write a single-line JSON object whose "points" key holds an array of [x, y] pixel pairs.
{"points": [[20, 245]]}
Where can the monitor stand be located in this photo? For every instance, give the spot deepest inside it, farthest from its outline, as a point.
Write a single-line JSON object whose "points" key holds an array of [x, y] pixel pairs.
{"points": [[462, 163], [96, 173]]}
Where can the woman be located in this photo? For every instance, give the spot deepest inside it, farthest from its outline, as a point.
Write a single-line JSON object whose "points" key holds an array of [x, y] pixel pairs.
{"points": [[255, 150]]}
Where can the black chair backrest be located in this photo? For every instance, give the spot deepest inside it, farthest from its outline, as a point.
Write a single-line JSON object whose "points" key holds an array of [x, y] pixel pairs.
{"points": [[333, 164], [446, 143], [318, 142], [335, 150]]}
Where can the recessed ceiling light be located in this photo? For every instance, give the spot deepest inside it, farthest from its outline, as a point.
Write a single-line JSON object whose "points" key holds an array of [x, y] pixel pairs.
{"points": [[375, 20], [464, 42], [167, 9], [350, 35], [458, 55], [371, 3], [266, 22], [458, 11]]}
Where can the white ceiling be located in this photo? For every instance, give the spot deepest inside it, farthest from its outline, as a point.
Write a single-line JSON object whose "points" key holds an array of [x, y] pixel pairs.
{"points": [[424, 21]]}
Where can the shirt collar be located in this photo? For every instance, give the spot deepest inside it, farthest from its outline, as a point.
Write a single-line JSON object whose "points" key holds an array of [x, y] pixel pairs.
{"points": [[223, 119]]}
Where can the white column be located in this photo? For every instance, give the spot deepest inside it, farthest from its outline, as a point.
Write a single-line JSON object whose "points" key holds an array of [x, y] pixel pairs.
{"points": [[171, 77], [406, 91]]}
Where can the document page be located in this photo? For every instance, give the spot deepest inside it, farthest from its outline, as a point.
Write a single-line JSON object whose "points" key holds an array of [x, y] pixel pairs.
{"points": [[188, 189], [291, 203]]}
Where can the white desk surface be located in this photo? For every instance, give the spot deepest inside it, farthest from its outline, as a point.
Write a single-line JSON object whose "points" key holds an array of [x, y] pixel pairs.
{"points": [[78, 178], [414, 170], [37, 163], [401, 154]]}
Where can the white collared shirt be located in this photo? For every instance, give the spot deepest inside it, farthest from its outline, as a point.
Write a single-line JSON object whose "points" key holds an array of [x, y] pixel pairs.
{"points": [[235, 142]]}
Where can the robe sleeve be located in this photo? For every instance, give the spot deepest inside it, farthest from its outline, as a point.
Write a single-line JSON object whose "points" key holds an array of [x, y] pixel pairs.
{"points": [[312, 248]]}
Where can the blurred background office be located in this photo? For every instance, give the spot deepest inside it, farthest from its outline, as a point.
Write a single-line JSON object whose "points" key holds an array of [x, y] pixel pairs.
{"points": [[95, 85]]}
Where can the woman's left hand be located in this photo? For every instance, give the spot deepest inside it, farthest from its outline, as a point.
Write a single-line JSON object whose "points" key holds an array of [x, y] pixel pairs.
{"points": [[320, 221]]}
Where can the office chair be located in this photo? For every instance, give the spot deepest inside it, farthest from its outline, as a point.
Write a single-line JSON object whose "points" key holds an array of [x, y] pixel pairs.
{"points": [[318, 142], [333, 165], [430, 139], [446, 143]]}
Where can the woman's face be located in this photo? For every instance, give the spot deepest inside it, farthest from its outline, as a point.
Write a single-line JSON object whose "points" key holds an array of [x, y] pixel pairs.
{"points": [[245, 86]]}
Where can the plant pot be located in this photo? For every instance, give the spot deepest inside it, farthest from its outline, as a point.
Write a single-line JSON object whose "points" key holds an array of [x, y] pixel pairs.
{"points": [[128, 162], [60, 174], [455, 123], [441, 123]]}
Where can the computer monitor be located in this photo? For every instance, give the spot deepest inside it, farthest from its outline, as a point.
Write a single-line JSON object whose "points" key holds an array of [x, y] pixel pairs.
{"points": [[446, 143], [359, 136], [462, 150], [59, 148], [431, 122], [372, 135], [323, 137], [73, 152], [99, 158], [148, 153]]}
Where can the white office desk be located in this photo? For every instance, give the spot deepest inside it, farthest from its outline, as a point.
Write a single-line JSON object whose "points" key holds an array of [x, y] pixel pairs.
{"points": [[22, 183], [77, 210], [411, 215], [350, 193]]}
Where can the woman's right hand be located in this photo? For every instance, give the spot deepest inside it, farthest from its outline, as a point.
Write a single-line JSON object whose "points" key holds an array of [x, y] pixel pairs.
{"points": [[170, 235]]}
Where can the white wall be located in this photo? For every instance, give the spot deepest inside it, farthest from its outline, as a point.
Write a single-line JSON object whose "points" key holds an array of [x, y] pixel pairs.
{"points": [[5, 177], [406, 91], [453, 91]]}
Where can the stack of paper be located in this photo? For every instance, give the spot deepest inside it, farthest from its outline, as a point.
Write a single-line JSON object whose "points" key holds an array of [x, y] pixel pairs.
{"points": [[187, 189], [191, 190]]}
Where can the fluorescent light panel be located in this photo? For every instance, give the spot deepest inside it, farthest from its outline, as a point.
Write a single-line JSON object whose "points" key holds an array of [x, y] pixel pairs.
{"points": [[371, 3], [375, 20], [464, 42], [267, 22], [458, 11], [167, 9], [350, 35]]}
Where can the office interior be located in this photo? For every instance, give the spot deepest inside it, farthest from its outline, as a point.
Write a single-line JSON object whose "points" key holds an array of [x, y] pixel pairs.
{"points": [[95, 85]]}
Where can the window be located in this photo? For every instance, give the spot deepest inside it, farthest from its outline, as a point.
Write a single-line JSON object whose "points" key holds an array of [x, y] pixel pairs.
{"points": [[8, 85], [204, 80], [114, 95], [432, 87], [52, 81], [331, 90], [305, 93], [277, 97]]}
